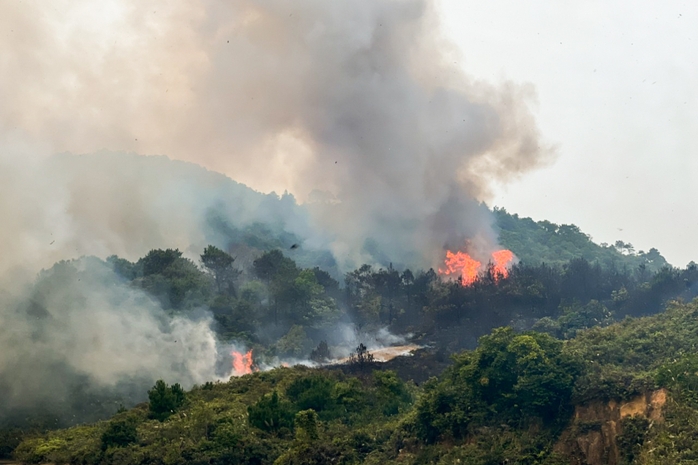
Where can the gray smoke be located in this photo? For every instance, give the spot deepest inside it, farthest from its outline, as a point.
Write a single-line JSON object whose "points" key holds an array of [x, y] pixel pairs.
{"points": [[356, 107], [361, 102], [78, 329]]}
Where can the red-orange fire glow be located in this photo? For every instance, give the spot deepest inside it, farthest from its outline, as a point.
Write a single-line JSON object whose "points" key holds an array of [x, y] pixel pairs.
{"points": [[460, 263], [502, 259], [463, 265], [242, 363]]}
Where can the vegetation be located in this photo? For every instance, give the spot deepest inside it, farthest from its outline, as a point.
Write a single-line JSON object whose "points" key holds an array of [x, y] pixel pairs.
{"points": [[507, 401], [574, 323]]}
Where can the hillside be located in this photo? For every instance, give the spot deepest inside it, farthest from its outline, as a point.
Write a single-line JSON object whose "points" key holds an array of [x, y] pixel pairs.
{"points": [[536, 242], [511, 400], [171, 317], [102, 331], [172, 203]]}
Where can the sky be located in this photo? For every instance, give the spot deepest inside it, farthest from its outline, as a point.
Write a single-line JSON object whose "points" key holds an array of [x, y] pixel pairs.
{"points": [[617, 93], [611, 85]]}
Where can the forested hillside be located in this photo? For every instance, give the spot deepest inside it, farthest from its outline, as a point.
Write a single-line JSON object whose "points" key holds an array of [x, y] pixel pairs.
{"points": [[258, 289], [536, 242], [510, 400]]}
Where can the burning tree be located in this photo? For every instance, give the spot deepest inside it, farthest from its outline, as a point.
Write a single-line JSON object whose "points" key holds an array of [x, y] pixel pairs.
{"points": [[467, 269]]}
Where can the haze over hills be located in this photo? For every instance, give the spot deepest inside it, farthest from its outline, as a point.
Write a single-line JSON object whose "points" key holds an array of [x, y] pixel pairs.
{"points": [[157, 311], [106, 327], [126, 204]]}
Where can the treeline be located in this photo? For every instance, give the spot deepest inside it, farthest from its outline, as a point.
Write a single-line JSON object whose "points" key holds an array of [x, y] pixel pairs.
{"points": [[536, 242], [285, 310]]}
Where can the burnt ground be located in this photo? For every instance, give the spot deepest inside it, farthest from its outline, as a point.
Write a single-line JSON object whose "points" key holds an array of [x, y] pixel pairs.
{"points": [[420, 366]]}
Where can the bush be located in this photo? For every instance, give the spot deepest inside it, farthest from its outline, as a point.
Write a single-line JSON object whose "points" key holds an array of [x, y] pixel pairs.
{"points": [[632, 437], [510, 378], [120, 432], [312, 392], [392, 392], [271, 413], [165, 400]]}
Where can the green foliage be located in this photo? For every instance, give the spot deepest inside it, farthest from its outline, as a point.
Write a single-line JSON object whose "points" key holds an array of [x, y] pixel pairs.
{"points": [[361, 357], [504, 402], [165, 400], [312, 392], [220, 264], [321, 353], [681, 375], [120, 432], [271, 413], [294, 344], [545, 242], [393, 395], [622, 360], [157, 261], [177, 282], [123, 267], [575, 318], [306, 426], [632, 437], [509, 378]]}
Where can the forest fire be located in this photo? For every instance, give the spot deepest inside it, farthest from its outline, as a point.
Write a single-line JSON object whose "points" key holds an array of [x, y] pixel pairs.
{"points": [[461, 264], [242, 363]]}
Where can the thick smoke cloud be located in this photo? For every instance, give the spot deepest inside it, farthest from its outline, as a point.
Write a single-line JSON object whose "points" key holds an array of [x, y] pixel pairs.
{"points": [[360, 102], [357, 107], [79, 329]]}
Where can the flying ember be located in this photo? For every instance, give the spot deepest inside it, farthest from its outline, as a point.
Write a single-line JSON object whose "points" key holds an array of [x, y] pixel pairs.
{"points": [[242, 363], [461, 264]]}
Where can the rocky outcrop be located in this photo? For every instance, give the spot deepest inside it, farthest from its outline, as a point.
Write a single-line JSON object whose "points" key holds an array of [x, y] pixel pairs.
{"points": [[591, 438]]}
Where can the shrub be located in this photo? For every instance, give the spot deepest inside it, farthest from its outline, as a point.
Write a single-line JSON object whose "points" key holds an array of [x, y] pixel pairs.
{"points": [[312, 392], [165, 400], [120, 432], [271, 413]]}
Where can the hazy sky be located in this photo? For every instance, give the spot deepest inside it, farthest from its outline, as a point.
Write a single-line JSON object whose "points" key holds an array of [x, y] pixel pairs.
{"points": [[617, 87]]}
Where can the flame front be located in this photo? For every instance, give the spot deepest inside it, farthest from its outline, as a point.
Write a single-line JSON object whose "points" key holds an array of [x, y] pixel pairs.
{"points": [[463, 265], [242, 363], [460, 263], [501, 260]]}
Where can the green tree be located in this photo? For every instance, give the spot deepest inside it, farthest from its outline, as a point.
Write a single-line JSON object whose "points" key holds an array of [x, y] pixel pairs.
{"points": [[510, 378], [157, 261], [270, 413], [120, 432], [306, 425], [361, 356], [165, 400], [220, 265], [312, 392]]}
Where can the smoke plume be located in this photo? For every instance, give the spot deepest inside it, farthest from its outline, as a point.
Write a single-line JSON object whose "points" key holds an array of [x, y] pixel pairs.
{"points": [[358, 108], [361, 103]]}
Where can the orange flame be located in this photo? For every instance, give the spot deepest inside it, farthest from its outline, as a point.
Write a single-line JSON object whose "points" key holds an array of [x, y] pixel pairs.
{"points": [[242, 363], [463, 265], [502, 259]]}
